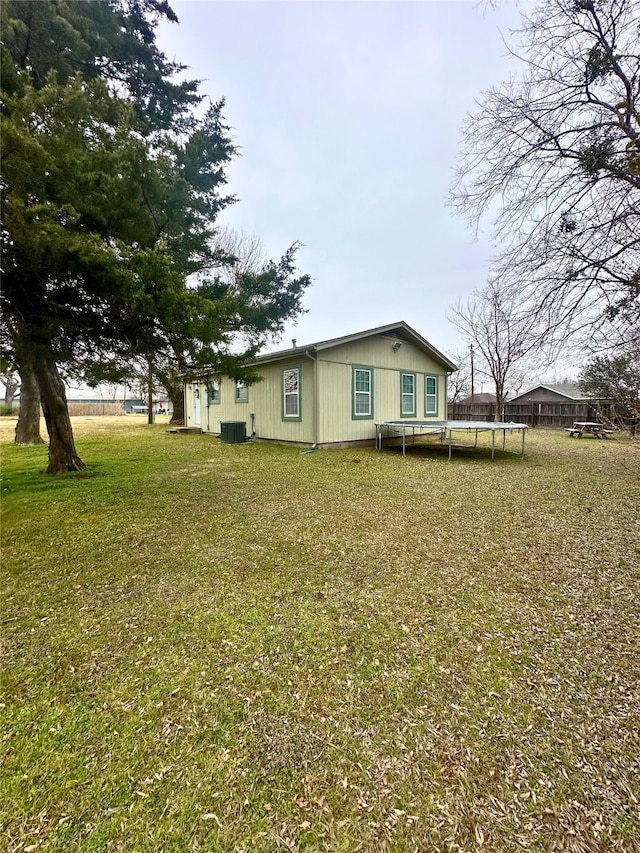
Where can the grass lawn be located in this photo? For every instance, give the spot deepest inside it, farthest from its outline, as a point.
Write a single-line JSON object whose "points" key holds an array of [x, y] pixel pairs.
{"points": [[213, 647]]}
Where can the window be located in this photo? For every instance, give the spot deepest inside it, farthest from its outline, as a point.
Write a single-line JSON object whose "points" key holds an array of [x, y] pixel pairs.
{"points": [[362, 382], [431, 395], [291, 394], [407, 395], [213, 392], [242, 392]]}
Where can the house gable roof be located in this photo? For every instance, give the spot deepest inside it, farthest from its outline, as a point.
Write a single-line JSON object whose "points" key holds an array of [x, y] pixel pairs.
{"points": [[481, 398], [565, 389], [399, 330]]}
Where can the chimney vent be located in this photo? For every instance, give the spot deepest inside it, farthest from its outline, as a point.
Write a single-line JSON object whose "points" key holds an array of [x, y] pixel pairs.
{"points": [[294, 342]]}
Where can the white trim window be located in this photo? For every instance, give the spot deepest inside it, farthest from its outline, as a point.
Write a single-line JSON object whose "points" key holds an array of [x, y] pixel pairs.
{"points": [[242, 392], [408, 394], [362, 392], [213, 392], [291, 393], [431, 395]]}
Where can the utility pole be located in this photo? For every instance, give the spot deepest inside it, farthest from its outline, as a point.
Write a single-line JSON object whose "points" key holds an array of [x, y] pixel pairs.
{"points": [[472, 388]]}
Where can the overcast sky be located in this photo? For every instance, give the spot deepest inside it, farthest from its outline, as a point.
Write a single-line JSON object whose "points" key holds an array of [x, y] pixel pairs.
{"points": [[348, 118]]}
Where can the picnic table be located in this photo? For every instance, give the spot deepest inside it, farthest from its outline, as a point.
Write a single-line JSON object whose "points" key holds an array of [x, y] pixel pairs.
{"points": [[581, 428]]}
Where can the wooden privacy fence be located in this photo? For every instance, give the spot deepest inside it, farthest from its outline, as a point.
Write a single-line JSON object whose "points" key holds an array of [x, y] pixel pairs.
{"points": [[99, 407], [554, 414], [472, 412], [545, 414]]}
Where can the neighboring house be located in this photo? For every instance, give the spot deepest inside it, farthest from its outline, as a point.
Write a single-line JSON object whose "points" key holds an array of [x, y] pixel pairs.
{"points": [[555, 405], [135, 405], [558, 405], [138, 406], [477, 399], [565, 392], [483, 408], [331, 392]]}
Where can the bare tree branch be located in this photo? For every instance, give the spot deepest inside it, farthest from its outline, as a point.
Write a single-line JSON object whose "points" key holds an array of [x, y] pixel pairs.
{"points": [[554, 158], [503, 335]]}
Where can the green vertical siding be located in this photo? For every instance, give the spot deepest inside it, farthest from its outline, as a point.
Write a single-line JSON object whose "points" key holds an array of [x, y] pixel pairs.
{"points": [[335, 394]]}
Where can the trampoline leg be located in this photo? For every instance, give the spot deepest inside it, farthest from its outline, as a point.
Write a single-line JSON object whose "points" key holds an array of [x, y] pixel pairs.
{"points": [[493, 444]]}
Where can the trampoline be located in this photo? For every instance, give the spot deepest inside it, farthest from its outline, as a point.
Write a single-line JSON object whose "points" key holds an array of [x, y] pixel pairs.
{"points": [[445, 429]]}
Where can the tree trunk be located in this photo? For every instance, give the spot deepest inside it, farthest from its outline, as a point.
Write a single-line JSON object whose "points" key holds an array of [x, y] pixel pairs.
{"points": [[28, 426], [62, 450], [499, 404], [177, 402], [175, 392]]}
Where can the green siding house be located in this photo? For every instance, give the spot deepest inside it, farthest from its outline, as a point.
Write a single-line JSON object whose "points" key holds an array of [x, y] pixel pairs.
{"points": [[328, 393]]}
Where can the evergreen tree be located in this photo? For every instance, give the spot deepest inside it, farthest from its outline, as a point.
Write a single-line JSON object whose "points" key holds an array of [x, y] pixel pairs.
{"points": [[112, 188]]}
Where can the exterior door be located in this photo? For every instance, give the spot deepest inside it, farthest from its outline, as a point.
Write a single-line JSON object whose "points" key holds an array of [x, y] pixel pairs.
{"points": [[196, 405]]}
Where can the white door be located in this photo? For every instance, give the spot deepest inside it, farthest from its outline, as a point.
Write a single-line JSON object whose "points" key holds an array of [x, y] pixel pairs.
{"points": [[196, 405]]}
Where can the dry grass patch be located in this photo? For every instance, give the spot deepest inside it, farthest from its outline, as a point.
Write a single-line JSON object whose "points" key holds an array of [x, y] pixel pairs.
{"points": [[223, 647]]}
